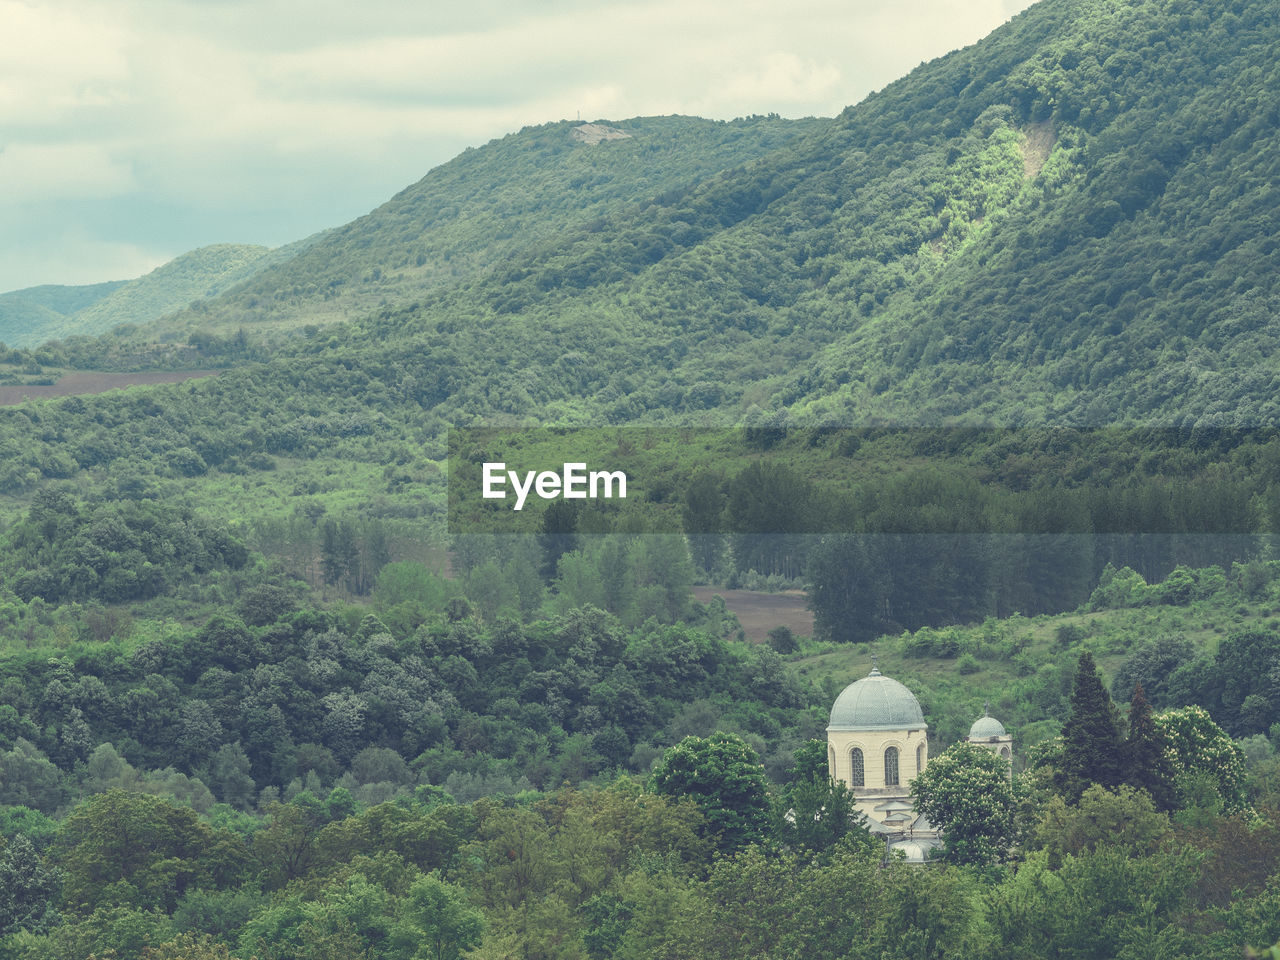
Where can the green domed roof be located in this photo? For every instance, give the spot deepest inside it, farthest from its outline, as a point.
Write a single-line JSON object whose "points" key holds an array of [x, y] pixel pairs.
{"points": [[876, 702], [986, 726]]}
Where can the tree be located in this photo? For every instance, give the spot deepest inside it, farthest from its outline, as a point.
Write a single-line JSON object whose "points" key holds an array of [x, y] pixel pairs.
{"points": [[783, 640], [816, 812], [557, 535], [967, 793], [725, 778], [701, 514], [439, 919], [188, 946], [1090, 737], [848, 589], [136, 848], [1146, 754], [1208, 767], [1126, 818], [28, 889]]}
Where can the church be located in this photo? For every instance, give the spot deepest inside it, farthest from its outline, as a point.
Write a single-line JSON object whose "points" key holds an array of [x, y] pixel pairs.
{"points": [[877, 743]]}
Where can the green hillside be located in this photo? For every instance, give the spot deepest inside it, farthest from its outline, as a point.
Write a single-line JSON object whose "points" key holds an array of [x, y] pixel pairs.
{"points": [[33, 316], [23, 313], [491, 205], [194, 276], [934, 254]]}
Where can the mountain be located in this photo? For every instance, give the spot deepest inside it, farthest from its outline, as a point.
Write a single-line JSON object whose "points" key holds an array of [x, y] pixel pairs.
{"points": [[489, 206], [193, 276], [1071, 221], [23, 313], [32, 316]]}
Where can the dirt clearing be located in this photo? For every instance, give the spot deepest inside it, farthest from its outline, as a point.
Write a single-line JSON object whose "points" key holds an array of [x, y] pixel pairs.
{"points": [[761, 612], [85, 382]]}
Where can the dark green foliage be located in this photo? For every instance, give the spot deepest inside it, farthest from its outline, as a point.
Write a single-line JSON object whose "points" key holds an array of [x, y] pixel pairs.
{"points": [[28, 889], [783, 641], [1091, 737], [1145, 755], [64, 550], [1243, 689], [815, 812], [1152, 666], [265, 604]]}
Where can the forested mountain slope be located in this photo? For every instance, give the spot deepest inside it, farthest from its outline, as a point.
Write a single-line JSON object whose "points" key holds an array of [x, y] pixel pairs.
{"points": [[1128, 274], [1071, 221], [25, 312], [492, 204], [30, 317]]}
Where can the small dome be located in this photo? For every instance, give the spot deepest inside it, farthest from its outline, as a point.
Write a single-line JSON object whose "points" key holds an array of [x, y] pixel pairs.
{"points": [[876, 702], [914, 852], [986, 727]]}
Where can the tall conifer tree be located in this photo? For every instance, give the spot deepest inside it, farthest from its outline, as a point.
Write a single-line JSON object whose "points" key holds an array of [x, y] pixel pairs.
{"points": [[1146, 754], [1091, 736]]}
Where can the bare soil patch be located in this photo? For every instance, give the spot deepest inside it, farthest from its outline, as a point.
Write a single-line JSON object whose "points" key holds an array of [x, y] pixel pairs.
{"points": [[85, 382], [594, 133], [761, 612], [1036, 147]]}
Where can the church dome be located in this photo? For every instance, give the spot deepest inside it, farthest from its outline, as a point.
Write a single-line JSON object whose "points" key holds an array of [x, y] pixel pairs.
{"points": [[876, 702], [985, 727]]}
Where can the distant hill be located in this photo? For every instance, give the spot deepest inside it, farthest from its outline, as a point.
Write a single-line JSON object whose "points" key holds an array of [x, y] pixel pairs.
{"points": [[23, 313], [38, 314], [193, 276]]}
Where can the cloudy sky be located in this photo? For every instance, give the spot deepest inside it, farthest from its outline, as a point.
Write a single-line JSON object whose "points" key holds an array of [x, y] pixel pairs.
{"points": [[133, 130]]}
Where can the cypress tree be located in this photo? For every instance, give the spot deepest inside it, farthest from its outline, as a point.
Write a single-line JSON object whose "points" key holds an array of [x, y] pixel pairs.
{"points": [[1146, 755], [1091, 749]]}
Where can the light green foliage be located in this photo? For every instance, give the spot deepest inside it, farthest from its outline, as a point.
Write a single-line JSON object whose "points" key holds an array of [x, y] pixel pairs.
{"points": [[785, 905], [1105, 903], [634, 578], [967, 793], [724, 777], [1126, 818], [442, 924], [135, 850], [1209, 767], [109, 932]]}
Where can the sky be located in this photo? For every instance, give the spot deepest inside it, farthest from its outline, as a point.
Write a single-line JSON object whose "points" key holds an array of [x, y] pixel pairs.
{"points": [[134, 130]]}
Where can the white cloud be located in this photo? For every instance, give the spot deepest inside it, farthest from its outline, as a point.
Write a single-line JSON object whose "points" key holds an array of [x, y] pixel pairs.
{"points": [[33, 172], [56, 61]]}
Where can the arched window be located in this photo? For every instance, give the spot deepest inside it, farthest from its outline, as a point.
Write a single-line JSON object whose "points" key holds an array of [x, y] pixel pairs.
{"points": [[831, 761], [1004, 752], [891, 767], [857, 778], [920, 759]]}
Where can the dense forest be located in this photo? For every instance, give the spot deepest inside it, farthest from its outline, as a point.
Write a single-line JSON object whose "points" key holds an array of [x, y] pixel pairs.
{"points": [[985, 365]]}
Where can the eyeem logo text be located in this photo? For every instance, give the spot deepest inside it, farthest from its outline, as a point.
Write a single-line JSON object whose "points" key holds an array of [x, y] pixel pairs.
{"points": [[573, 482]]}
